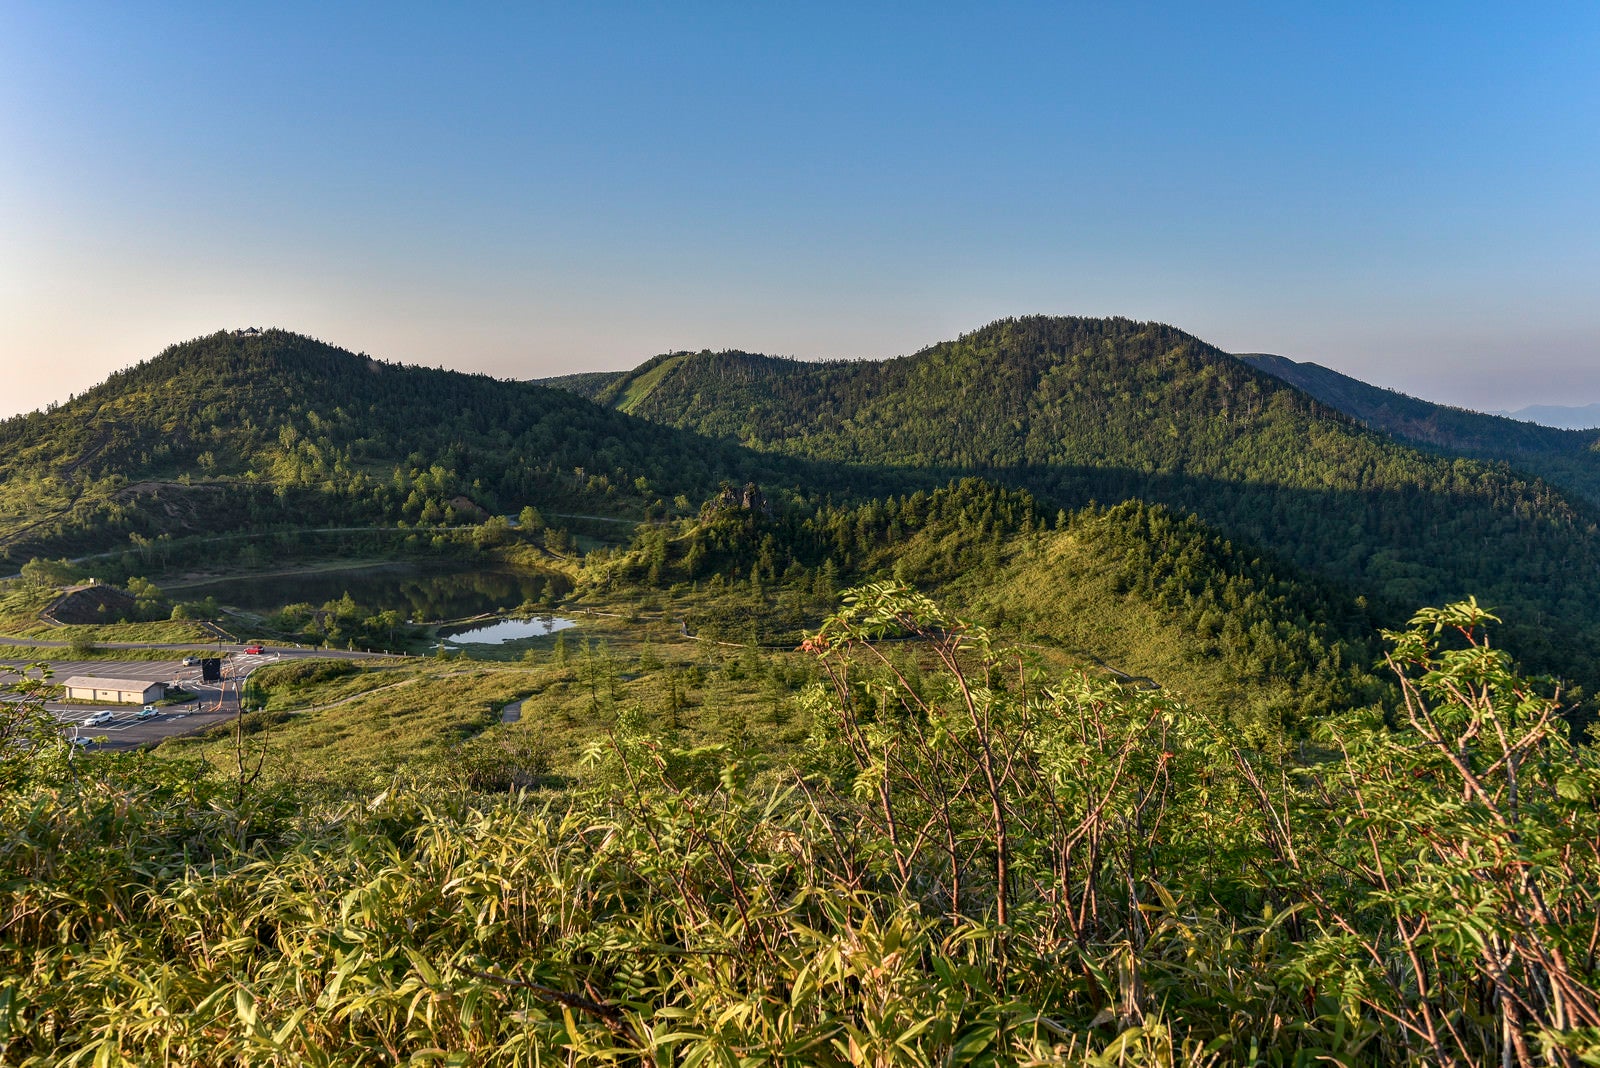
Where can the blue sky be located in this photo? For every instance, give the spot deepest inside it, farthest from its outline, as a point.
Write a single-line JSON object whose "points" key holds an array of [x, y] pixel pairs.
{"points": [[1403, 192]]}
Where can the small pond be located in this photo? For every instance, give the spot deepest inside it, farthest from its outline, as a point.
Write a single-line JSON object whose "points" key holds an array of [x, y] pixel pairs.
{"points": [[508, 630]]}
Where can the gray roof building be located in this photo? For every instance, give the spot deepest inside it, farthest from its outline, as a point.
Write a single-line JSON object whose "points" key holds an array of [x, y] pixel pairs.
{"points": [[117, 691]]}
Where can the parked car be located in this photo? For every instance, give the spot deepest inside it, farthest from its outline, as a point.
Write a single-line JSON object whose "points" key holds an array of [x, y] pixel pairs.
{"points": [[103, 716], [253, 650], [82, 743], [191, 661], [147, 712]]}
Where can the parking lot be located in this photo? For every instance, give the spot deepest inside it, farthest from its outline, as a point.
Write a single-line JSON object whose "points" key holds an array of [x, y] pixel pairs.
{"points": [[126, 731], [213, 703]]}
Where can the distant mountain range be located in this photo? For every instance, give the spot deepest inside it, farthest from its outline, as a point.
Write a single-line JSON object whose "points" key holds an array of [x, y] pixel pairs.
{"points": [[1579, 417]]}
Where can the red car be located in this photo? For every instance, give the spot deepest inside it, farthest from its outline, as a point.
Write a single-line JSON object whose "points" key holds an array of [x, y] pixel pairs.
{"points": [[253, 650]]}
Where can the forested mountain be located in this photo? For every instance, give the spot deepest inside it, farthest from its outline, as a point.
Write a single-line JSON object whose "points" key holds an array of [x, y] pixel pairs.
{"points": [[235, 431], [228, 431], [1569, 458], [1109, 409]]}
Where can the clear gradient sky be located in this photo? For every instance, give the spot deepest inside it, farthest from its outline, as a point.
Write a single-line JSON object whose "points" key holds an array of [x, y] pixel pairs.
{"points": [[1409, 193]]}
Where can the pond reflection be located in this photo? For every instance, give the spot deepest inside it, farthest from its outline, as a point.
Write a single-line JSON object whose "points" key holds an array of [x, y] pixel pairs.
{"points": [[508, 630]]}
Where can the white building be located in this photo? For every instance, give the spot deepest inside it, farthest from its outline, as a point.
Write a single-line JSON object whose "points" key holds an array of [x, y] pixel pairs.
{"points": [[115, 691]]}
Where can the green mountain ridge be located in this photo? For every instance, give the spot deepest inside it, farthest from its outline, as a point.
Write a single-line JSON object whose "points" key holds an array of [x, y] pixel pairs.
{"points": [[232, 431], [587, 384], [1079, 410]]}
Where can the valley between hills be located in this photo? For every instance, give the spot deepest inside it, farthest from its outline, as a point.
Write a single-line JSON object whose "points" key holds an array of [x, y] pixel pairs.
{"points": [[1072, 691]]}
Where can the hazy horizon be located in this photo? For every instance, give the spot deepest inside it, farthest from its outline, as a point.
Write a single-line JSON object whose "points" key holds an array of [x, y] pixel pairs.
{"points": [[1402, 196]]}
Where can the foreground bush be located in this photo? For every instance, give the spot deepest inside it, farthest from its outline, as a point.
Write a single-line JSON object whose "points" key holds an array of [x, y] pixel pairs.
{"points": [[974, 865]]}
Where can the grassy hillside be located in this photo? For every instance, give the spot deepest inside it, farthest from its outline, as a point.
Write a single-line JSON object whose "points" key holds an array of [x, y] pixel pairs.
{"points": [[1134, 589], [1568, 458], [967, 861], [1158, 595], [827, 773]]}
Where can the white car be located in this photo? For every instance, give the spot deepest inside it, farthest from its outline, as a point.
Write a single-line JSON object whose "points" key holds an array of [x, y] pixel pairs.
{"points": [[98, 718]]}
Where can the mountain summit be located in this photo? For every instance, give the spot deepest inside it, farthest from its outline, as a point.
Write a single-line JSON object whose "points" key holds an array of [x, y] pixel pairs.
{"points": [[238, 431], [1078, 409]]}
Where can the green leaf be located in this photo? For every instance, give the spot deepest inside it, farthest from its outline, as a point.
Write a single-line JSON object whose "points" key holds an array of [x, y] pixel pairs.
{"points": [[245, 1006]]}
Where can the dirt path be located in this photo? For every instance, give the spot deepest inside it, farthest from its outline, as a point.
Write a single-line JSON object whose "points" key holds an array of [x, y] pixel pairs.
{"points": [[353, 697]]}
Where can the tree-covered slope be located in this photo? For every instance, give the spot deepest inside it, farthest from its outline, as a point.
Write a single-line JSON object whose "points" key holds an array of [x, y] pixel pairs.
{"points": [[1134, 587], [590, 384], [229, 431], [1111, 409], [1156, 594], [1569, 458]]}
